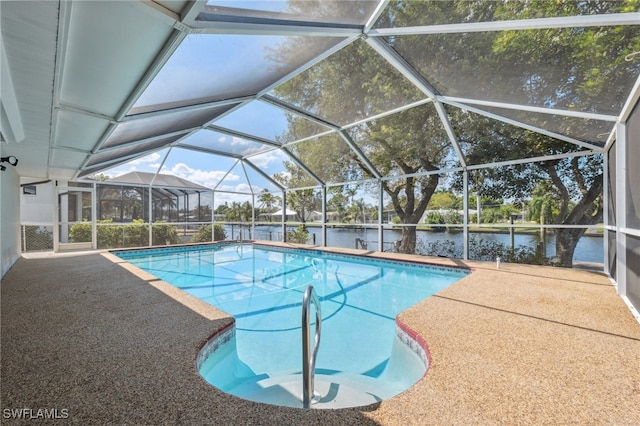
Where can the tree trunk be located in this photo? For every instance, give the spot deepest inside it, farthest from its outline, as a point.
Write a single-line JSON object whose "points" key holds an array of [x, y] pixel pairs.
{"points": [[408, 242], [566, 241], [587, 211]]}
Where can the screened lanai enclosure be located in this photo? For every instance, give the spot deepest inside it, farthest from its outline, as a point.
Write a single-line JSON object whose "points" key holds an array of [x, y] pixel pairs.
{"points": [[469, 129]]}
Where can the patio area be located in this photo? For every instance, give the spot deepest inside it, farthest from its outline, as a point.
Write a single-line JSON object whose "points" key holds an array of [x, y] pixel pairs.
{"points": [[100, 342]]}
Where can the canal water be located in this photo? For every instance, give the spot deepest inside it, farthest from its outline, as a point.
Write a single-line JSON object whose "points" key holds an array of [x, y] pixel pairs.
{"points": [[589, 249]]}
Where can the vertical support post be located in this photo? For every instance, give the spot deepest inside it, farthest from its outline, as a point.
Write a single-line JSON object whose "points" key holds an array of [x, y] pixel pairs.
{"points": [[324, 216], [213, 216], [621, 208], [605, 211], [94, 218], [380, 216], [465, 214], [151, 215], [511, 233], [283, 225], [253, 216]]}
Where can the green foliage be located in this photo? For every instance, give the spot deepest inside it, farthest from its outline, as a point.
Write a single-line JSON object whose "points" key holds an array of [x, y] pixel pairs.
{"points": [[435, 218], [80, 233], [490, 215], [164, 234], [204, 233], [485, 250], [444, 201], [453, 217], [303, 201], [409, 142], [545, 203], [135, 234], [268, 201], [110, 236], [299, 235], [238, 212]]}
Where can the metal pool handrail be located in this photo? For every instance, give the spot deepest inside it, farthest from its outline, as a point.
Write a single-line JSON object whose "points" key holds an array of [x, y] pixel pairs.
{"points": [[309, 359]]}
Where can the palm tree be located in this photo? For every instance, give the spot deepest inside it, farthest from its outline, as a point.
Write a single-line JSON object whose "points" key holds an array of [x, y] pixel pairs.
{"points": [[268, 201]]}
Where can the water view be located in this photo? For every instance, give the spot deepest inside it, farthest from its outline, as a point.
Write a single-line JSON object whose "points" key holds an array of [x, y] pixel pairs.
{"points": [[589, 249]]}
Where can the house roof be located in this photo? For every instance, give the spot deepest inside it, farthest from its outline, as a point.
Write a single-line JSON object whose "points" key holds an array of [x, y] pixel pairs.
{"points": [[159, 180]]}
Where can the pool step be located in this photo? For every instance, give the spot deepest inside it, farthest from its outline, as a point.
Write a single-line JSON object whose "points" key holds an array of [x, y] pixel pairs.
{"points": [[331, 391]]}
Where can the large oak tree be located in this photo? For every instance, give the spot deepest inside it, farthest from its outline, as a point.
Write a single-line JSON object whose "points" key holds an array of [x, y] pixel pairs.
{"points": [[579, 69]]}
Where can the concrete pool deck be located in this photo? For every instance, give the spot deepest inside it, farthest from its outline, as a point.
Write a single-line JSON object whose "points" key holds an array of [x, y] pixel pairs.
{"points": [[90, 340]]}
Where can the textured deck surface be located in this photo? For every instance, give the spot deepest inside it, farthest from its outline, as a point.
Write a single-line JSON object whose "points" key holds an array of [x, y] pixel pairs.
{"points": [[99, 342]]}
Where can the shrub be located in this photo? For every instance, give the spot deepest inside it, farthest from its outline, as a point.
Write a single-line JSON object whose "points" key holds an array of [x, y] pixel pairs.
{"points": [[299, 235], [203, 234], [484, 250], [80, 232], [164, 234]]}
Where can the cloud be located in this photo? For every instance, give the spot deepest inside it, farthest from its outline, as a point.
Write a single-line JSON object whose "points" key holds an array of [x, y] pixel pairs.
{"points": [[147, 159], [208, 178], [148, 163], [271, 158]]}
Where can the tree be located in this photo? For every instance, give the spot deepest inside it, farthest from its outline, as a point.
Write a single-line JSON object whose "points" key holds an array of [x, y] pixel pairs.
{"points": [[238, 212], [353, 83], [544, 206], [268, 200], [442, 200], [304, 202], [101, 177], [562, 68]]}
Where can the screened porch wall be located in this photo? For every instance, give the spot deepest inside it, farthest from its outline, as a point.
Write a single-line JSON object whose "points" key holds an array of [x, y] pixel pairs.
{"points": [[632, 208]]}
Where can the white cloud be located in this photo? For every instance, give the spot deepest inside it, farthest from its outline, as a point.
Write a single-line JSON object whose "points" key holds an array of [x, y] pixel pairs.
{"points": [[241, 188], [263, 161], [147, 159], [208, 178]]}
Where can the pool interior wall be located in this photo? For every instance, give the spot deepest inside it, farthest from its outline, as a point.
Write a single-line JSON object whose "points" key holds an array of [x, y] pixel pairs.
{"points": [[376, 290]]}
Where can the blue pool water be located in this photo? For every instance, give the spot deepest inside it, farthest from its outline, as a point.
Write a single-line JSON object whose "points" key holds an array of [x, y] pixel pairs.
{"points": [[262, 287]]}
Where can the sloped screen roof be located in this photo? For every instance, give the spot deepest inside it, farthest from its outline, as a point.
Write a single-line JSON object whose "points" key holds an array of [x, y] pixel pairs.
{"points": [[297, 93]]}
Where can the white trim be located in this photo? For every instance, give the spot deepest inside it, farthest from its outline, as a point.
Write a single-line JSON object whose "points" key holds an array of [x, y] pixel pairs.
{"points": [[533, 159], [526, 126], [630, 231], [621, 207], [528, 108], [400, 64], [632, 308], [286, 28], [382, 5], [631, 102], [613, 19], [11, 120]]}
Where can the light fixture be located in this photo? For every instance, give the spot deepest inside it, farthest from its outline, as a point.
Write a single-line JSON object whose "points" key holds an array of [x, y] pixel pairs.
{"points": [[10, 159]]}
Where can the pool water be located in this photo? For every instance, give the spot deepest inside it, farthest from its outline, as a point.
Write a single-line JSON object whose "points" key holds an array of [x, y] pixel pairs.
{"points": [[262, 287]]}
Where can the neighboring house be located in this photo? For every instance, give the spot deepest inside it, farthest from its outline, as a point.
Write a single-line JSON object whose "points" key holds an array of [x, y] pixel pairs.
{"points": [[289, 214]]}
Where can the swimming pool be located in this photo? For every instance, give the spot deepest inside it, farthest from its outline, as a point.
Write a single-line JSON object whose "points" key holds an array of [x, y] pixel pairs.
{"points": [[364, 356]]}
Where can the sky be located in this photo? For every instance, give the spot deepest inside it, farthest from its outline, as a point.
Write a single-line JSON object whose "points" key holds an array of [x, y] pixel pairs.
{"points": [[210, 67]]}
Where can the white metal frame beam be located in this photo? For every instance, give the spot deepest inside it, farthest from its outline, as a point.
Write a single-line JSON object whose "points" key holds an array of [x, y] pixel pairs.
{"points": [[612, 19]]}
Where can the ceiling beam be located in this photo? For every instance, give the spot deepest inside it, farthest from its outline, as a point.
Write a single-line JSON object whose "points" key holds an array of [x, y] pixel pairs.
{"points": [[613, 19], [529, 108]]}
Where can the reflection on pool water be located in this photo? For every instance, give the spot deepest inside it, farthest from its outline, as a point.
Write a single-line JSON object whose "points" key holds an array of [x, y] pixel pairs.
{"points": [[364, 356]]}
